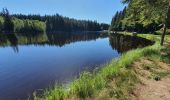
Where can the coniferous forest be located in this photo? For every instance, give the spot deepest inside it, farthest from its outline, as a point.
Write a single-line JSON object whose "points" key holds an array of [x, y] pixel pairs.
{"points": [[124, 21], [19, 23], [143, 16], [55, 57]]}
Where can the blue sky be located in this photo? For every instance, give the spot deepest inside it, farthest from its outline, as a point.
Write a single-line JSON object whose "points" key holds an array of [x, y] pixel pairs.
{"points": [[100, 10]]}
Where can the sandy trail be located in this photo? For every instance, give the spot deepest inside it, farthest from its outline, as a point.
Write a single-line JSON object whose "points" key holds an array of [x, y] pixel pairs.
{"points": [[150, 89]]}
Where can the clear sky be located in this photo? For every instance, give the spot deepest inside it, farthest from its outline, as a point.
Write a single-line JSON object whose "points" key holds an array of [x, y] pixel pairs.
{"points": [[100, 10]]}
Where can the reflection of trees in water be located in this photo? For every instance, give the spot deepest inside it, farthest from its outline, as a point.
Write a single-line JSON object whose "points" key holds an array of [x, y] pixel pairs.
{"points": [[123, 43], [54, 39], [29, 39], [3, 40], [13, 40], [61, 39], [9, 39], [119, 42]]}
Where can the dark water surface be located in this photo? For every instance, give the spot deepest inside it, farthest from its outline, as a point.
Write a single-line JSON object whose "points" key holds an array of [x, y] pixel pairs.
{"points": [[33, 62]]}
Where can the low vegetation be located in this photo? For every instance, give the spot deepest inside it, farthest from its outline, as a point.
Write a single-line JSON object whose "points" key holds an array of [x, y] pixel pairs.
{"points": [[116, 79]]}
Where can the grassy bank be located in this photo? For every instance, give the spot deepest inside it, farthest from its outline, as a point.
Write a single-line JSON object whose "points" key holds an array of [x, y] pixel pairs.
{"points": [[115, 80]]}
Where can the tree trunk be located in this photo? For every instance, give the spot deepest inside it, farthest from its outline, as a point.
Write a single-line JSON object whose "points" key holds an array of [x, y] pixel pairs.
{"points": [[163, 34], [165, 25]]}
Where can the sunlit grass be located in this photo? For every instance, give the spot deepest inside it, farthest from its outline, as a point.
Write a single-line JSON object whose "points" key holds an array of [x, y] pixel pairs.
{"points": [[89, 84]]}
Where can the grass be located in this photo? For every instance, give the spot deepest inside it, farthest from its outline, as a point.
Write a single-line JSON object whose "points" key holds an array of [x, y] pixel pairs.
{"points": [[149, 36], [119, 71], [116, 79], [147, 66]]}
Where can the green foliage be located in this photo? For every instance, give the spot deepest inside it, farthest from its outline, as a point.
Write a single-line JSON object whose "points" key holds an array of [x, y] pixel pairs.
{"points": [[25, 26], [1, 23], [36, 23], [60, 23], [84, 86], [146, 15], [88, 84], [142, 16], [18, 24], [33, 26], [57, 93], [125, 82], [165, 58], [104, 26], [116, 24], [8, 24], [11, 24], [150, 14]]}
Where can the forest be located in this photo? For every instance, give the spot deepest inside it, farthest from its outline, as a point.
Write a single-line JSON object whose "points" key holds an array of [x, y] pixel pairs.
{"points": [[19, 23], [137, 43], [140, 16], [124, 21], [10, 24], [143, 16]]}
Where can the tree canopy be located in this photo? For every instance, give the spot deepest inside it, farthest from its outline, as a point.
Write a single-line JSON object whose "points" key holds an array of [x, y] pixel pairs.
{"points": [[143, 16], [150, 11], [60, 23], [19, 23]]}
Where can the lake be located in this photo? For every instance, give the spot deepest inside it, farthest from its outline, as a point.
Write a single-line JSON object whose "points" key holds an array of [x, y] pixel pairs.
{"points": [[32, 62]]}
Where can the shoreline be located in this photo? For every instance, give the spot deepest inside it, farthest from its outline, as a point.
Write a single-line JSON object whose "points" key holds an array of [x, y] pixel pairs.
{"points": [[89, 85]]}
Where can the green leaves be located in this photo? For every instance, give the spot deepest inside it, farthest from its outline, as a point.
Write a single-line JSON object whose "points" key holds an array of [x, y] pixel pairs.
{"points": [[116, 24], [1, 23], [149, 10]]}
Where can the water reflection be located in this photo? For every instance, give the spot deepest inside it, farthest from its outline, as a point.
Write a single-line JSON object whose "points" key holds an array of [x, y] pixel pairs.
{"points": [[123, 43], [44, 59], [59, 39], [118, 42]]}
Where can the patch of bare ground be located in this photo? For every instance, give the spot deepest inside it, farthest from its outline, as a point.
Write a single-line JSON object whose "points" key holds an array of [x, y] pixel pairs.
{"points": [[154, 80]]}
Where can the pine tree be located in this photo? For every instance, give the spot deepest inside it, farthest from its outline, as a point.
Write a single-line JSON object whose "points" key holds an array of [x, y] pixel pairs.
{"points": [[149, 11], [8, 24]]}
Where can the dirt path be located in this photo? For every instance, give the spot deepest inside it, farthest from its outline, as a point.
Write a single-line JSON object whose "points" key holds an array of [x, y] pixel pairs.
{"points": [[152, 88]]}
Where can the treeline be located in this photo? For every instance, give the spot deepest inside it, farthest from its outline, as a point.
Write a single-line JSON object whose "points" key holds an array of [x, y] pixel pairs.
{"points": [[124, 21], [19, 23], [10, 24], [144, 16], [116, 23], [25, 26], [59, 23]]}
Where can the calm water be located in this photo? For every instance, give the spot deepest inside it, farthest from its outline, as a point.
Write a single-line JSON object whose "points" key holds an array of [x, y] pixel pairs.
{"points": [[34, 62]]}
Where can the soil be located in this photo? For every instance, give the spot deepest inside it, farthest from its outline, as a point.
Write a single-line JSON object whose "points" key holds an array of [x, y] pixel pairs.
{"points": [[150, 89]]}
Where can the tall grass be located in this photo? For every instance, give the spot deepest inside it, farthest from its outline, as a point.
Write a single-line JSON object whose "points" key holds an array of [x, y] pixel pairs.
{"points": [[89, 84]]}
